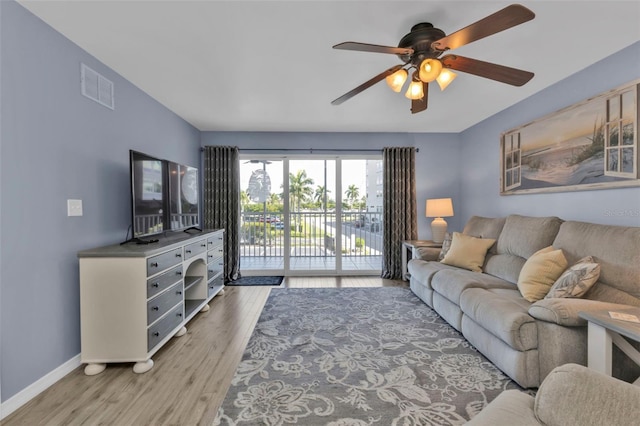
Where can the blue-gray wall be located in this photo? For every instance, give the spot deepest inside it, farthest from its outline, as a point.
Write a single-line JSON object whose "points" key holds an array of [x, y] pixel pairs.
{"points": [[480, 160], [56, 145], [437, 175]]}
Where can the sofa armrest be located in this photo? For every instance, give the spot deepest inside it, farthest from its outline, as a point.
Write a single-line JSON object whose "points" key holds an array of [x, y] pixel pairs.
{"points": [[576, 395], [511, 407], [426, 253], [564, 311]]}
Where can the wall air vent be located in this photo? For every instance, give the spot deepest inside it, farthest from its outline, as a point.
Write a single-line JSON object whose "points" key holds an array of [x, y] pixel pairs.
{"points": [[95, 86]]}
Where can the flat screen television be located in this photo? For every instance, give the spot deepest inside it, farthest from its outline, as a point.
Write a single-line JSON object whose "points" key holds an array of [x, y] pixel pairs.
{"points": [[148, 194], [184, 196]]}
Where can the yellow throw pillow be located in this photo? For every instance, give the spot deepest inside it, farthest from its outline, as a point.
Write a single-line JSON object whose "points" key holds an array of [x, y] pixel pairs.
{"points": [[467, 252], [540, 272]]}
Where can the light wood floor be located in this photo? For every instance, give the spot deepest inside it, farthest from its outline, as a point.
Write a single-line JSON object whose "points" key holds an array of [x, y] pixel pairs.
{"points": [[191, 373]]}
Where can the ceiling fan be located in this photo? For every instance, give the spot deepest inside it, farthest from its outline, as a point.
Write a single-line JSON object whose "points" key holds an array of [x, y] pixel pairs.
{"points": [[420, 49]]}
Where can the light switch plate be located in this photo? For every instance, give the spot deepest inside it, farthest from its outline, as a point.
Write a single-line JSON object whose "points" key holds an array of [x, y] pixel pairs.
{"points": [[74, 207]]}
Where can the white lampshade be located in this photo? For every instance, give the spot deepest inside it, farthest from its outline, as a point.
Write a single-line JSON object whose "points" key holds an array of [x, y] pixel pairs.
{"points": [[439, 208]]}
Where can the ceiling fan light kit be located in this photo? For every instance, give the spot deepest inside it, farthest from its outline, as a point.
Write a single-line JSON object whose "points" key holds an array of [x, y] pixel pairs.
{"points": [[396, 80], [421, 48], [445, 78], [430, 70], [415, 90]]}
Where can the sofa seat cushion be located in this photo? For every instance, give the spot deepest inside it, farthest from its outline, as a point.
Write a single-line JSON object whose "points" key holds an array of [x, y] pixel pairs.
{"points": [[422, 271], [504, 313], [450, 283]]}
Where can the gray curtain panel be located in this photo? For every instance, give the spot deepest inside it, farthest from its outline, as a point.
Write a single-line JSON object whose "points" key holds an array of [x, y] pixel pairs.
{"points": [[400, 211], [222, 201]]}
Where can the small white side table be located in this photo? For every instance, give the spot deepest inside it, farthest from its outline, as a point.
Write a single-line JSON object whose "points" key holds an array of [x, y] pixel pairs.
{"points": [[603, 332], [407, 247]]}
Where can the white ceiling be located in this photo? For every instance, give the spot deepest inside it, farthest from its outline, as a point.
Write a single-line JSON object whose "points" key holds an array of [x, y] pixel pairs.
{"points": [[269, 66]]}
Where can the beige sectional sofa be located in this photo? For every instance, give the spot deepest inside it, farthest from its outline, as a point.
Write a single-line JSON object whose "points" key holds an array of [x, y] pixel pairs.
{"points": [[527, 340]]}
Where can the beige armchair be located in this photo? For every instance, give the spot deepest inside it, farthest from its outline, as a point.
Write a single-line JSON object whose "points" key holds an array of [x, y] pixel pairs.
{"points": [[570, 395]]}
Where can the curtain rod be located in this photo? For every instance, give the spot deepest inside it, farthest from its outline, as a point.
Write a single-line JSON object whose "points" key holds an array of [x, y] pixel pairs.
{"points": [[311, 150]]}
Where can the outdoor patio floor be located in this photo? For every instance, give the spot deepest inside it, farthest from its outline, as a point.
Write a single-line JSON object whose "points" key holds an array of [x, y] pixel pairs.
{"points": [[311, 263]]}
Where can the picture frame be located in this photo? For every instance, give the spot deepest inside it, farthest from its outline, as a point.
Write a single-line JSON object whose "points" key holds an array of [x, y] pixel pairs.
{"points": [[590, 145]]}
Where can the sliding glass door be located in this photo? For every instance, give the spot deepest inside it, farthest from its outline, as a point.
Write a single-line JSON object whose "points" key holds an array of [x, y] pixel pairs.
{"points": [[311, 215]]}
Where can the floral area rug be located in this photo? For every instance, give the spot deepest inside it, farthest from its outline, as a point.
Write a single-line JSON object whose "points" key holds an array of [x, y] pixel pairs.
{"points": [[356, 357]]}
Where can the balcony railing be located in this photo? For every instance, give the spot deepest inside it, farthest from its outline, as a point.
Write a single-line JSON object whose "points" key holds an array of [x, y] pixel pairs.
{"points": [[312, 234]]}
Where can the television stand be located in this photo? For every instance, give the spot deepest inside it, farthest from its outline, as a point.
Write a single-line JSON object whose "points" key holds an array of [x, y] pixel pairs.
{"points": [[135, 298]]}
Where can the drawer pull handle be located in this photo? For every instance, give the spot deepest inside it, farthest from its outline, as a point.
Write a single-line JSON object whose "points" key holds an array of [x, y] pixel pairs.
{"points": [[220, 250], [178, 254], [203, 245], [179, 314], [219, 238], [155, 308], [210, 243], [156, 334], [178, 272], [211, 271], [156, 285], [187, 251], [153, 264], [210, 256], [179, 292]]}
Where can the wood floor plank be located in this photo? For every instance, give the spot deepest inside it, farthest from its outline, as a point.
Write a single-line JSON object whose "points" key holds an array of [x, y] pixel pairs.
{"points": [[191, 374]]}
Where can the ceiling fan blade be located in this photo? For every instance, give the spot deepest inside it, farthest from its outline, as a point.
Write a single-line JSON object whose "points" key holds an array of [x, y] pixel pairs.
{"points": [[496, 72], [419, 105], [364, 47], [364, 86], [504, 19]]}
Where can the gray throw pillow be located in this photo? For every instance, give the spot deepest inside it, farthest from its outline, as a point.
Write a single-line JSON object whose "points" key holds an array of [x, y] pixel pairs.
{"points": [[446, 245], [576, 280]]}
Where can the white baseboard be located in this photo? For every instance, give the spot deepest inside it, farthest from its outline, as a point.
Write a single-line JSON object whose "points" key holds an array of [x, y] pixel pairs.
{"points": [[34, 389]]}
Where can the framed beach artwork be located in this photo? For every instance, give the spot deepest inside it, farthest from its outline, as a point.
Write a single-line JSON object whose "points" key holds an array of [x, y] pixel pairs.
{"points": [[589, 145]]}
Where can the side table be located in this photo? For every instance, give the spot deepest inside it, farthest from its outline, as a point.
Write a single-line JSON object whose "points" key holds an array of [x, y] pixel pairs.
{"points": [[604, 331], [408, 246]]}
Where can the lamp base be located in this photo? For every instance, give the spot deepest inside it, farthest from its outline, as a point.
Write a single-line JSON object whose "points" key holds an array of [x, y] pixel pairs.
{"points": [[438, 229]]}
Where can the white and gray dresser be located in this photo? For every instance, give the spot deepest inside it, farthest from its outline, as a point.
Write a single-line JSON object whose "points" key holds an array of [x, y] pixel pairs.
{"points": [[134, 298]]}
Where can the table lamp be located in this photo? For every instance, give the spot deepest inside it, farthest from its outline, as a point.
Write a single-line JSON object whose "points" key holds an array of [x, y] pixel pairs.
{"points": [[439, 208]]}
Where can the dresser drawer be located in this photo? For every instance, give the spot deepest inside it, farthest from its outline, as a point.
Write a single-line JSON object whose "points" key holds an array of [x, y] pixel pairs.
{"points": [[160, 304], [215, 240], [216, 252], [215, 267], [163, 261], [163, 281], [194, 249], [215, 286], [162, 328]]}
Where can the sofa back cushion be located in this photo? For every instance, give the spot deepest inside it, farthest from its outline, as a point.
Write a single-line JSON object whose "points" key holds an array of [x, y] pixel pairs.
{"points": [[615, 248], [521, 236], [484, 227]]}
